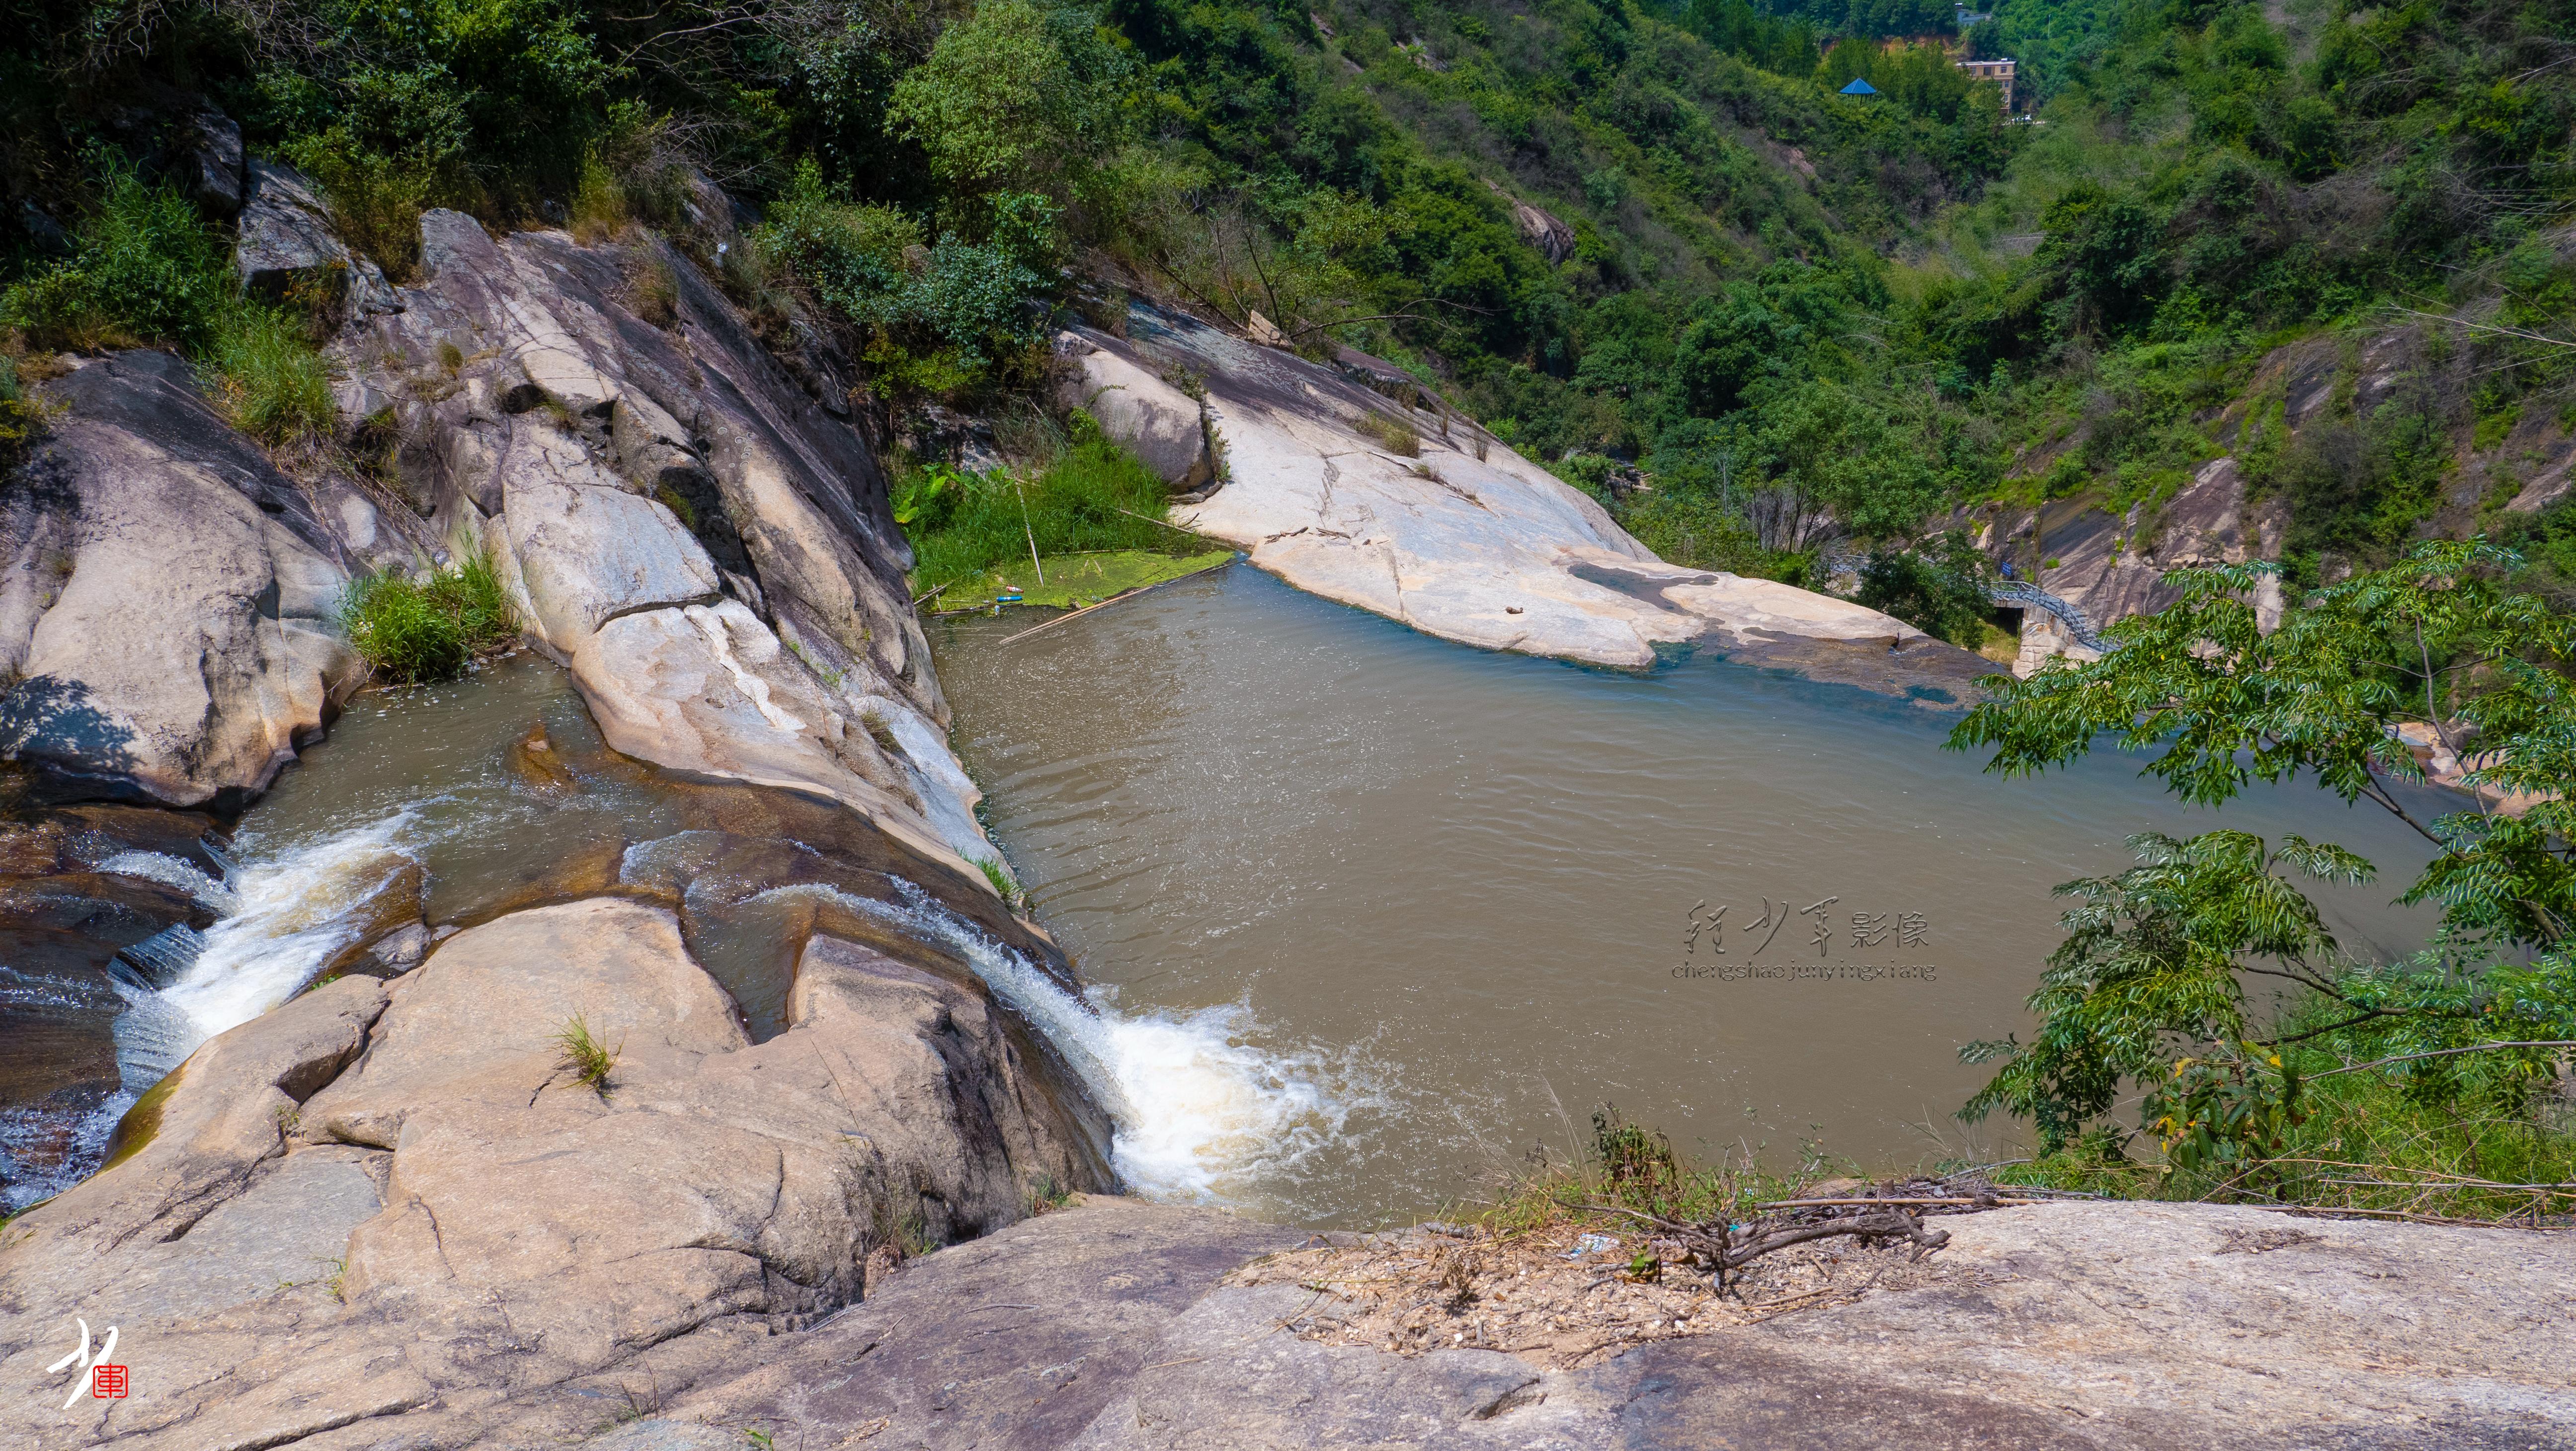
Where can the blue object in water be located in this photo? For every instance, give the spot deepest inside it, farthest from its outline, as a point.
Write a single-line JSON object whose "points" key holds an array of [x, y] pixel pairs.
{"points": [[1860, 87], [1010, 599]]}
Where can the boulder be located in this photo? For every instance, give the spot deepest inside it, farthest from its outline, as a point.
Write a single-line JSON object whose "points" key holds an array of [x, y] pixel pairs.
{"points": [[588, 550], [1553, 239], [287, 251], [1138, 411], [667, 510], [180, 637], [195, 1140], [204, 157], [1460, 537], [709, 691]]}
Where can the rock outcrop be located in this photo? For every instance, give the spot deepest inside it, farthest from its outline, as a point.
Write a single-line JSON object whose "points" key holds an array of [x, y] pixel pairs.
{"points": [[2111, 568], [1399, 506], [168, 614], [395, 1214], [705, 544], [2065, 1325], [289, 252]]}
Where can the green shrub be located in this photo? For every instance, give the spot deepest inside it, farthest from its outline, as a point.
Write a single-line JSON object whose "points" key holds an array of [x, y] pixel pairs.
{"points": [[410, 631], [144, 272], [273, 385], [937, 319], [1697, 530], [1097, 496], [1939, 590], [376, 200]]}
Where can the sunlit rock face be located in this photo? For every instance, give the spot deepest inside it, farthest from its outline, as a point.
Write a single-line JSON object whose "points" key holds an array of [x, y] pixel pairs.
{"points": [[1347, 482]]}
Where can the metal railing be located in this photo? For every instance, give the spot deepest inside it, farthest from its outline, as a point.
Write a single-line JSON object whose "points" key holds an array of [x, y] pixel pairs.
{"points": [[2079, 628]]}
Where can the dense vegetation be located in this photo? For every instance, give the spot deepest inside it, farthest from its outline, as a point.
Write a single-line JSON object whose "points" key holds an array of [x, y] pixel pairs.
{"points": [[412, 630], [1803, 315], [1076, 520], [2459, 1049]]}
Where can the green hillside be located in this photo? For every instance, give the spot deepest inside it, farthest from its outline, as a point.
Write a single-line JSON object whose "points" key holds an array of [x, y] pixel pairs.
{"points": [[1778, 303]]}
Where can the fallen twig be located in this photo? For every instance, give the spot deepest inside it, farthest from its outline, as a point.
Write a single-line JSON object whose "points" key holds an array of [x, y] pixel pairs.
{"points": [[1166, 523], [1728, 1249], [1979, 1201]]}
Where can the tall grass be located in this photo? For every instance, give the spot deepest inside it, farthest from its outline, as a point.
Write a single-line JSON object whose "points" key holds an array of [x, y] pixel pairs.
{"points": [[1628, 1165], [583, 1053], [271, 383], [410, 631], [146, 272], [1096, 496]]}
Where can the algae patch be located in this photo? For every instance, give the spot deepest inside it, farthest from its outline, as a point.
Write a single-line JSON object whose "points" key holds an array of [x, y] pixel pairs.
{"points": [[1075, 580]]}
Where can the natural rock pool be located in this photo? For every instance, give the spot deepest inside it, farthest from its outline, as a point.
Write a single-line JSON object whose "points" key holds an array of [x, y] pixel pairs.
{"points": [[1395, 910]]}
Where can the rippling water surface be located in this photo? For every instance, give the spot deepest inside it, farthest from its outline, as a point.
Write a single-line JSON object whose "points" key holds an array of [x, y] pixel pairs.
{"points": [[1433, 901]]}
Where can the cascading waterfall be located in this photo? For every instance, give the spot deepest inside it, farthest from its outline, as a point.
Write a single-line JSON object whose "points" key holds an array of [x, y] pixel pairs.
{"points": [[1196, 1110], [285, 919]]}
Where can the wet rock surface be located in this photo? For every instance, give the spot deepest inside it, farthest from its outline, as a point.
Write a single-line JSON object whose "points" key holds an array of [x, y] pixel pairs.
{"points": [[482, 1229], [705, 542], [170, 599]]}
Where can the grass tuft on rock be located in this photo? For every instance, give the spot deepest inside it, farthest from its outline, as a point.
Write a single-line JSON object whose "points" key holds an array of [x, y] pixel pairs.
{"points": [[411, 631], [586, 1056], [273, 385], [1000, 876]]}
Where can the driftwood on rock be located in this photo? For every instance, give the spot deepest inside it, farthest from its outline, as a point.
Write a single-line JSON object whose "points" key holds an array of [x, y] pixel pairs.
{"points": [[1725, 1248]]}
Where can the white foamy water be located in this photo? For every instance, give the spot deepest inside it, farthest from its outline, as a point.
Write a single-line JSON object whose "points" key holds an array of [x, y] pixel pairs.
{"points": [[170, 871], [291, 914], [1197, 1111]]}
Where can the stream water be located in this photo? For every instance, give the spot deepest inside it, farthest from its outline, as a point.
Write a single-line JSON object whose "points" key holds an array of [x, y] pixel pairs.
{"points": [[1365, 915], [1434, 904], [429, 803]]}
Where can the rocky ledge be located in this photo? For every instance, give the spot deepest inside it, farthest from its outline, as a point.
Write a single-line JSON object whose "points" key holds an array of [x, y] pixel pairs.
{"points": [[390, 1213], [1127, 1326], [1305, 467]]}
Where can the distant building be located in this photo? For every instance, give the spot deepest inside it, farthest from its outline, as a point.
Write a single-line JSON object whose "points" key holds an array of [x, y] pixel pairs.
{"points": [[1998, 71], [1860, 87]]}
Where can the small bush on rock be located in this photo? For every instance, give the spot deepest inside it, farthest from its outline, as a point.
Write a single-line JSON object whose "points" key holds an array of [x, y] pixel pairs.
{"points": [[145, 272], [1095, 497], [274, 386], [410, 631]]}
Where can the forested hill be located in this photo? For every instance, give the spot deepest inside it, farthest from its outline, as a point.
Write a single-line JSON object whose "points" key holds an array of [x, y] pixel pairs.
{"points": [[1646, 243]]}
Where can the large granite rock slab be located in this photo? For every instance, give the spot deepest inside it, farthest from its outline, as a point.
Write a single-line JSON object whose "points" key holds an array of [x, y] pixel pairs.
{"points": [[2065, 1325], [703, 540], [387, 1214], [1462, 537], [708, 690], [170, 600]]}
